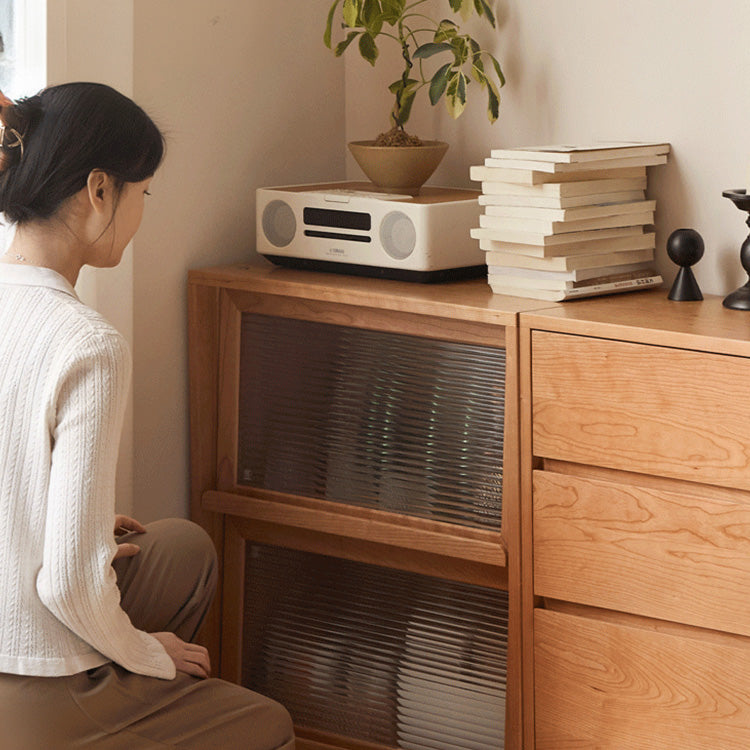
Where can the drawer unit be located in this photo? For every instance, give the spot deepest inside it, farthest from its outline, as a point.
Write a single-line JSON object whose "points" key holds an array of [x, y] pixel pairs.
{"points": [[636, 525]]}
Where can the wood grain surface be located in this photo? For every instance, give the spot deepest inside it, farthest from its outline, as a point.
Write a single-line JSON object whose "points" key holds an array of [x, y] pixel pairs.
{"points": [[606, 686], [655, 410], [676, 556]]}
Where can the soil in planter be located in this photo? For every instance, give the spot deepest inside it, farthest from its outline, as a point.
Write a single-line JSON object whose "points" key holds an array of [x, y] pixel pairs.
{"points": [[397, 137]]}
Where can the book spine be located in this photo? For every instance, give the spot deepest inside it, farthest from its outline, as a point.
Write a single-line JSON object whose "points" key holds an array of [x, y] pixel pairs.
{"points": [[613, 286], [577, 293]]}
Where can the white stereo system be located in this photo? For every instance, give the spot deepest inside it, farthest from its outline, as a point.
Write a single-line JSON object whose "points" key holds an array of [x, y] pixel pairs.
{"points": [[349, 227]]}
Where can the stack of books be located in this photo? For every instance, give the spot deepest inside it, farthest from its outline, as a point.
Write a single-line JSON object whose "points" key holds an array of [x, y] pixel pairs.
{"points": [[562, 222]]}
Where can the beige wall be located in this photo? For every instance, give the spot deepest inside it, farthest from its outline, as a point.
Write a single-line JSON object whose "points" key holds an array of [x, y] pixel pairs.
{"points": [[582, 70], [248, 96]]}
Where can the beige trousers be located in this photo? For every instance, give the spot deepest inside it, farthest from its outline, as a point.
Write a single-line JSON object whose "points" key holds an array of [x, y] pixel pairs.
{"points": [[167, 586]]}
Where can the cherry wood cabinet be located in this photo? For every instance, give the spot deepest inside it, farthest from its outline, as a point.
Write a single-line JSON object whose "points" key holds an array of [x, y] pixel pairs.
{"points": [[610, 590], [636, 524], [365, 504]]}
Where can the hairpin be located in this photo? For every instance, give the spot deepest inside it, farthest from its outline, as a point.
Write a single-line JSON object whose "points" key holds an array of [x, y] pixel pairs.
{"points": [[18, 142], [5, 102]]}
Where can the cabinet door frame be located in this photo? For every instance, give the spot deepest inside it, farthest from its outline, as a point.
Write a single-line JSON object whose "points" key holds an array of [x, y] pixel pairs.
{"points": [[239, 514]]}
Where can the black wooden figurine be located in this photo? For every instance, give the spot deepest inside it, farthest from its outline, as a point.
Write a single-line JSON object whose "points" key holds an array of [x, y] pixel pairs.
{"points": [[685, 248]]}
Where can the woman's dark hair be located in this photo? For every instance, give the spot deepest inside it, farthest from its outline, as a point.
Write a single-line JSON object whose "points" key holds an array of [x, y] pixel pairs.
{"points": [[65, 132]]}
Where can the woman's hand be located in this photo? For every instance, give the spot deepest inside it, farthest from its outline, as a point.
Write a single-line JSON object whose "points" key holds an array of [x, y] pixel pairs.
{"points": [[124, 525], [187, 657]]}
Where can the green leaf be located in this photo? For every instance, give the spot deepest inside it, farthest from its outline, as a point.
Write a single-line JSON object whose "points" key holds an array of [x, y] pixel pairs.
{"points": [[460, 50], [400, 85], [445, 31], [438, 83], [430, 48], [455, 95], [487, 12], [455, 5], [351, 11], [493, 102], [372, 17], [477, 65], [367, 48], [466, 9], [478, 74], [392, 10], [329, 25], [402, 111], [404, 91], [498, 70], [341, 46]]}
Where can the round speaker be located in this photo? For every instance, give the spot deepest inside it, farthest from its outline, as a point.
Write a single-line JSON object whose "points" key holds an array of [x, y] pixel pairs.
{"points": [[279, 224], [398, 235]]}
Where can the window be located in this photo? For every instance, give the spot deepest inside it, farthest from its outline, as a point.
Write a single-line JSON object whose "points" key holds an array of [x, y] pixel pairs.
{"points": [[22, 46], [22, 56]]}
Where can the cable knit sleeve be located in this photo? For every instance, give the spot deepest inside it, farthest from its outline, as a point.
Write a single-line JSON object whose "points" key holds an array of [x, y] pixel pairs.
{"points": [[76, 581]]}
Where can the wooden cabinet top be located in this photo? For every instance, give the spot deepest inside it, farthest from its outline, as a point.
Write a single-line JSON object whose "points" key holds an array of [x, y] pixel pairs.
{"points": [[649, 317], [462, 300]]}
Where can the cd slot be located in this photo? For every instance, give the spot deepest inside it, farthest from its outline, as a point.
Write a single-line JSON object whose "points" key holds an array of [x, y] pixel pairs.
{"points": [[337, 236], [337, 219]]}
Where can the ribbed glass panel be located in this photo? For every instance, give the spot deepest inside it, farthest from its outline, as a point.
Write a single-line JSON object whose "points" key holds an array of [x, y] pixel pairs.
{"points": [[382, 655], [381, 420]]}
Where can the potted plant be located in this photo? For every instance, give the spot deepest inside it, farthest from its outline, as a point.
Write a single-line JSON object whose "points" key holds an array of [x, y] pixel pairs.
{"points": [[396, 160]]}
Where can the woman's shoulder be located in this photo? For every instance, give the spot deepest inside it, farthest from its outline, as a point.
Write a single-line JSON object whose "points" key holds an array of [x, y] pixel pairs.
{"points": [[80, 332]]}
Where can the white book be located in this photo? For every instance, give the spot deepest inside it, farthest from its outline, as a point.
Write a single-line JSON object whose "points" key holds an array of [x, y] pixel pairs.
{"points": [[487, 173], [530, 279], [571, 201], [560, 295], [530, 226], [537, 213], [569, 262], [567, 154], [556, 168], [644, 241], [565, 189], [626, 238]]}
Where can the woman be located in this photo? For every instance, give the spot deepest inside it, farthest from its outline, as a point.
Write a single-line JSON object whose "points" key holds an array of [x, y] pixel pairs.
{"points": [[94, 635]]}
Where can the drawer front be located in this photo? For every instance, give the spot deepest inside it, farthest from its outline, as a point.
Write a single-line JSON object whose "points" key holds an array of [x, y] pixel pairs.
{"points": [[615, 687], [644, 551], [648, 409]]}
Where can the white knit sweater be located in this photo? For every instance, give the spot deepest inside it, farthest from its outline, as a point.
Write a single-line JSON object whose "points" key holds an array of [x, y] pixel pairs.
{"points": [[64, 376]]}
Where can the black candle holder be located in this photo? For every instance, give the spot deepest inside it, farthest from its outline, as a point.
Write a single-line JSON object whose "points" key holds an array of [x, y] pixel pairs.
{"points": [[740, 298]]}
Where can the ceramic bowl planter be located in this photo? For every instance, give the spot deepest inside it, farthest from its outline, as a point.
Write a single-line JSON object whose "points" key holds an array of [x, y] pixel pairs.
{"points": [[398, 169]]}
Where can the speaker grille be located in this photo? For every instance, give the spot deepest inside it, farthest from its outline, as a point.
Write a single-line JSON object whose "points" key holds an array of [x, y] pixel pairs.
{"points": [[376, 654], [398, 235], [279, 224], [379, 420]]}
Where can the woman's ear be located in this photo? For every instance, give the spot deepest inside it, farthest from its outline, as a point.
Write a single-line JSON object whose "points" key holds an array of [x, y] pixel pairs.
{"points": [[99, 188]]}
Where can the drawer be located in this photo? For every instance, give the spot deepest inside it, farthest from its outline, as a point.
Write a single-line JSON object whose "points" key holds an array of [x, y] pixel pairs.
{"points": [[612, 686], [648, 409], [646, 551]]}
